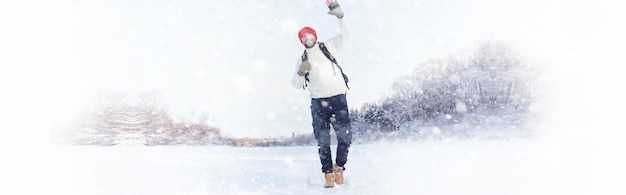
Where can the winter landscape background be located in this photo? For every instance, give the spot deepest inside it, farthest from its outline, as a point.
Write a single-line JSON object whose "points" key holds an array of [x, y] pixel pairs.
{"points": [[480, 97]]}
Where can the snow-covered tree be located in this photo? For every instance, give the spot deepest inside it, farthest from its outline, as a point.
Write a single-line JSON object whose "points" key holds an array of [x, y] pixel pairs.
{"points": [[118, 120], [493, 80]]}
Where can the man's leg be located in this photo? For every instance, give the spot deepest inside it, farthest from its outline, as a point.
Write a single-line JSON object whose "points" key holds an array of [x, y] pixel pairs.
{"points": [[343, 128], [344, 139], [321, 130], [341, 124]]}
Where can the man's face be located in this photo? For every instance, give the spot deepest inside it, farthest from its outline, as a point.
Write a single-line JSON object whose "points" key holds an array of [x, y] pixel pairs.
{"points": [[308, 40]]}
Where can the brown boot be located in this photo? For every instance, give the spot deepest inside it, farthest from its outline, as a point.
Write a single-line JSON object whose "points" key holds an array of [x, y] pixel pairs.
{"points": [[330, 180], [338, 175]]}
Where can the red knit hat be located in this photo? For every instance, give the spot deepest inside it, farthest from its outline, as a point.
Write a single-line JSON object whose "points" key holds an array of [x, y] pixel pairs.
{"points": [[306, 30]]}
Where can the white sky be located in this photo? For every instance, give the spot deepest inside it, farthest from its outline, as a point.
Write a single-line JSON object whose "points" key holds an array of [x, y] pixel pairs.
{"points": [[234, 59]]}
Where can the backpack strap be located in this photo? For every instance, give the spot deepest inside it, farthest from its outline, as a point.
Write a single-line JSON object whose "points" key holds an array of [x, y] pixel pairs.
{"points": [[332, 59], [305, 57], [327, 53]]}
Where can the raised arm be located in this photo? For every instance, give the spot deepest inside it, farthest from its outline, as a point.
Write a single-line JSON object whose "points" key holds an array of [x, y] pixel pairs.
{"points": [[344, 30]]}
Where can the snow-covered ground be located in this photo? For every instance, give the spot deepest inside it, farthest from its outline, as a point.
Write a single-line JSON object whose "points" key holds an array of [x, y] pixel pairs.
{"points": [[514, 166]]}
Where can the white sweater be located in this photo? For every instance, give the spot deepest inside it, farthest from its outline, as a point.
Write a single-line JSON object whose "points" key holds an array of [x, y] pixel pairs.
{"points": [[325, 79]]}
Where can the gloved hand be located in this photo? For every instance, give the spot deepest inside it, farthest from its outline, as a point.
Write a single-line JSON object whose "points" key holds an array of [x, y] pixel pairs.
{"points": [[335, 9], [305, 67]]}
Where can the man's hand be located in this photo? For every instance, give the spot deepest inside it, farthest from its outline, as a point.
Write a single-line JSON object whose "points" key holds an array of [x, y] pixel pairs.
{"points": [[305, 67], [334, 8]]}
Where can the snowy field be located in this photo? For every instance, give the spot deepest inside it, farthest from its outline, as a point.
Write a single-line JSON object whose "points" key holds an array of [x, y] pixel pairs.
{"points": [[515, 166]]}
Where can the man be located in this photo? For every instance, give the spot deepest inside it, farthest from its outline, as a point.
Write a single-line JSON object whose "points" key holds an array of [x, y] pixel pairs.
{"points": [[318, 71]]}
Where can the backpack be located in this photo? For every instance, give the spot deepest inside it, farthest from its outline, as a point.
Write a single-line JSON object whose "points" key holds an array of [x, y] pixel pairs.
{"points": [[330, 57]]}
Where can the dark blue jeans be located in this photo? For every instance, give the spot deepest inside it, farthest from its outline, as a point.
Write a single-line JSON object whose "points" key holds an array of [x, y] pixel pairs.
{"points": [[326, 112]]}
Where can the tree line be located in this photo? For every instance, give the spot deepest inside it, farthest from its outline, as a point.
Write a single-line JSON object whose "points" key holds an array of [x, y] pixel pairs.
{"points": [[493, 81], [116, 119]]}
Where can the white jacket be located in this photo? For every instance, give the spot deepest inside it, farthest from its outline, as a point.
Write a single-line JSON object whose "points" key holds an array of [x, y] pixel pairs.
{"points": [[325, 79]]}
